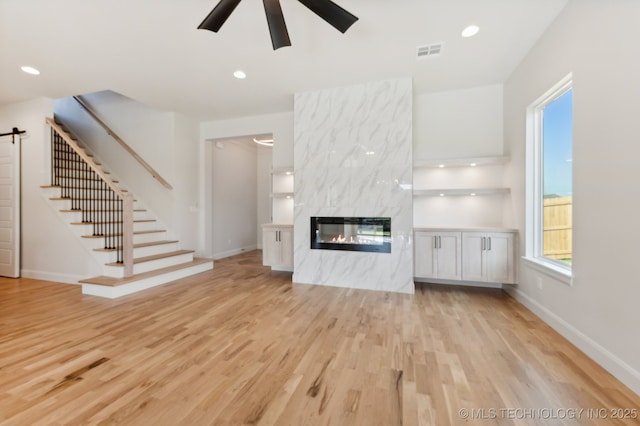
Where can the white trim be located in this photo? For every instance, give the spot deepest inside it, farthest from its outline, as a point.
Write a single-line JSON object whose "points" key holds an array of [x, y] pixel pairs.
{"points": [[550, 269], [51, 276], [534, 189], [229, 253], [607, 360]]}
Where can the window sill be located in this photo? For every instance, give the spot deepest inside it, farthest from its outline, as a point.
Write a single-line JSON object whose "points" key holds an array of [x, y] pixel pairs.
{"points": [[556, 272]]}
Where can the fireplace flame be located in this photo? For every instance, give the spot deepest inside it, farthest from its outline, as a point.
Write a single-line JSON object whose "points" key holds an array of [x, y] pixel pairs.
{"points": [[345, 240]]}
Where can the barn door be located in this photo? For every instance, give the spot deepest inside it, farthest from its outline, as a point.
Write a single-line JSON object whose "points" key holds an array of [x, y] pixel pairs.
{"points": [[10, 206]]}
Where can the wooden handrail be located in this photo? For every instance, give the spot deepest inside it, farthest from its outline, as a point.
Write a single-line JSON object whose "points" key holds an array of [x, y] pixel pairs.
{"points": [[127, 198], [123, 144], [85, 157]]}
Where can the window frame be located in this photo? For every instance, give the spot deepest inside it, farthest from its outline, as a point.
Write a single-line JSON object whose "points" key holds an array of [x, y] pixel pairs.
{"points": [[561, 271]]}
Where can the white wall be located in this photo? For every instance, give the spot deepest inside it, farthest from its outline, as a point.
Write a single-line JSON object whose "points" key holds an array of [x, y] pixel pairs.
{"points": [[49, 250], [279, 125], [596, 41], [458, 123], [167, 141], [263, 186], [185, 194], [147, 131], [234, 197]]}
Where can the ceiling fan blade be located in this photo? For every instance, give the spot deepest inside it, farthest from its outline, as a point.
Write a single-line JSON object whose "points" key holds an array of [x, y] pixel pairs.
{"points": [[277, 26], [218, 15], [332, 13]]}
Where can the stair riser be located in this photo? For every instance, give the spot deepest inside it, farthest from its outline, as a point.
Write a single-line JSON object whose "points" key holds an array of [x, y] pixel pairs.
{"points": [[89, 205], [76, 216], [118, 271], [153, 250], [148, 238], [88, 229], [78, 194], [63, 181], [123, 290], [74, 173], [138, 238], [112, 257]]}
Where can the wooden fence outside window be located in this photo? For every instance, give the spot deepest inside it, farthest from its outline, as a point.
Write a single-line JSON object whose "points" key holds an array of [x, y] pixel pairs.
{"points": [[558, 228]]}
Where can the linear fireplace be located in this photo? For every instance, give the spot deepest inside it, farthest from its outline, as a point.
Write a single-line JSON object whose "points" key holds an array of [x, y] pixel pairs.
{"points": [[371, 234]]}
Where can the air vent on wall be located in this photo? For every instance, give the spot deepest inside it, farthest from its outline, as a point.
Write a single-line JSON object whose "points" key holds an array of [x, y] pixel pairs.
{"points": [[429, 50]]}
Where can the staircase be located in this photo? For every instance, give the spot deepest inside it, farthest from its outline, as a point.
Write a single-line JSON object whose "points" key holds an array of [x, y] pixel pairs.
{"points": [[120, 234]]}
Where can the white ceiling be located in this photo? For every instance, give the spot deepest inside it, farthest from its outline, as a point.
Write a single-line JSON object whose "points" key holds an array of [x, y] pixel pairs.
{"points": [[151, 51]]}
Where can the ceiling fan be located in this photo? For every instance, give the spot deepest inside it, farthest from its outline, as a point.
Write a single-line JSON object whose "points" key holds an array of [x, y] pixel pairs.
{"points": [[326, 9]]}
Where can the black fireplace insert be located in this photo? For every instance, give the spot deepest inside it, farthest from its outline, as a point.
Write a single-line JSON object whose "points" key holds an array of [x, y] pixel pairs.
{"points": [[371, 234]]}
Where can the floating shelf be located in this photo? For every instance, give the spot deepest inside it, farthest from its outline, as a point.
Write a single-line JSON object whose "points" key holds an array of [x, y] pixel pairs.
{"points": [[282, 194], [282, 171], [458, 192], [461, 162]]}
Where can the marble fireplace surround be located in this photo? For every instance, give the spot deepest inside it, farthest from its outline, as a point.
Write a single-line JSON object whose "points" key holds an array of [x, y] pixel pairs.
{"points": [[353, 158]]}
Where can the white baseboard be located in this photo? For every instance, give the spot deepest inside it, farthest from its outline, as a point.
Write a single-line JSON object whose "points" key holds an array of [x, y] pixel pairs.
{"points": [[229, 253], [607, 360], [51, 276]]}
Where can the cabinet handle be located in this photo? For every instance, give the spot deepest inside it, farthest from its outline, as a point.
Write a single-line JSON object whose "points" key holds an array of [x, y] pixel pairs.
{"points": [[435, 242], [439, 242], [483, 244], [489, 238]]}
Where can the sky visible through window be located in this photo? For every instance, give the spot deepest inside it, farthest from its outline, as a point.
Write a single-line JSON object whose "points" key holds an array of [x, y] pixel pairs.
{"points": [[558, 146]]}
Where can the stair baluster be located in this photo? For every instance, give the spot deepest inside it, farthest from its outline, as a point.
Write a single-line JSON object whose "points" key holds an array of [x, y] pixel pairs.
{"points": [[91, 192]]}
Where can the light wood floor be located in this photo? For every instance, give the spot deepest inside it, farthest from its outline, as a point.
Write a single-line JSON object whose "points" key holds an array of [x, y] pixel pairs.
{"points": [[241, 345]]}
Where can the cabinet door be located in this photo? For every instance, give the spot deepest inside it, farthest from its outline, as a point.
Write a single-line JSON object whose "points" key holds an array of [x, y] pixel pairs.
{"points": [[499, 257], [270, 247], [449, 256], [424, 255], [286, 247], [473, 244]]}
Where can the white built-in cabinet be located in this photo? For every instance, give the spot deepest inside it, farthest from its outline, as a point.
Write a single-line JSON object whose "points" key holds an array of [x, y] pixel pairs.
{"points": [[488, 257], [438, 254], [277, 246], [277, 237], [465, 255]]}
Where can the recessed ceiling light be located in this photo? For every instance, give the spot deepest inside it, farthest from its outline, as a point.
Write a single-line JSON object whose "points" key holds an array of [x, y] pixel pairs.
{"points": [[30, 70], [473, 194], [470, 31], [441, 166], [473, 164], [442, 195], [239, 74]]}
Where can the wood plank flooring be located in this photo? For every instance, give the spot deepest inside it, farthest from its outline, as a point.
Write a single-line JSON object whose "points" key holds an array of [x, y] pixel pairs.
{"points": [[241, 345]]}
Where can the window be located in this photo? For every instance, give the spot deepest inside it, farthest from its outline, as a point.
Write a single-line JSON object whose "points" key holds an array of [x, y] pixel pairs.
{"points": [[549, 179]]}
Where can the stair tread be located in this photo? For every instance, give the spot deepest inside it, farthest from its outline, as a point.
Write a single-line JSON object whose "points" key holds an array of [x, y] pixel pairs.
{"points": [[81, 162], [79, 187], [79, 199], [113, 221], [141, 245], [114, 282], [139, 260], [151, 231], [96, 210]]}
